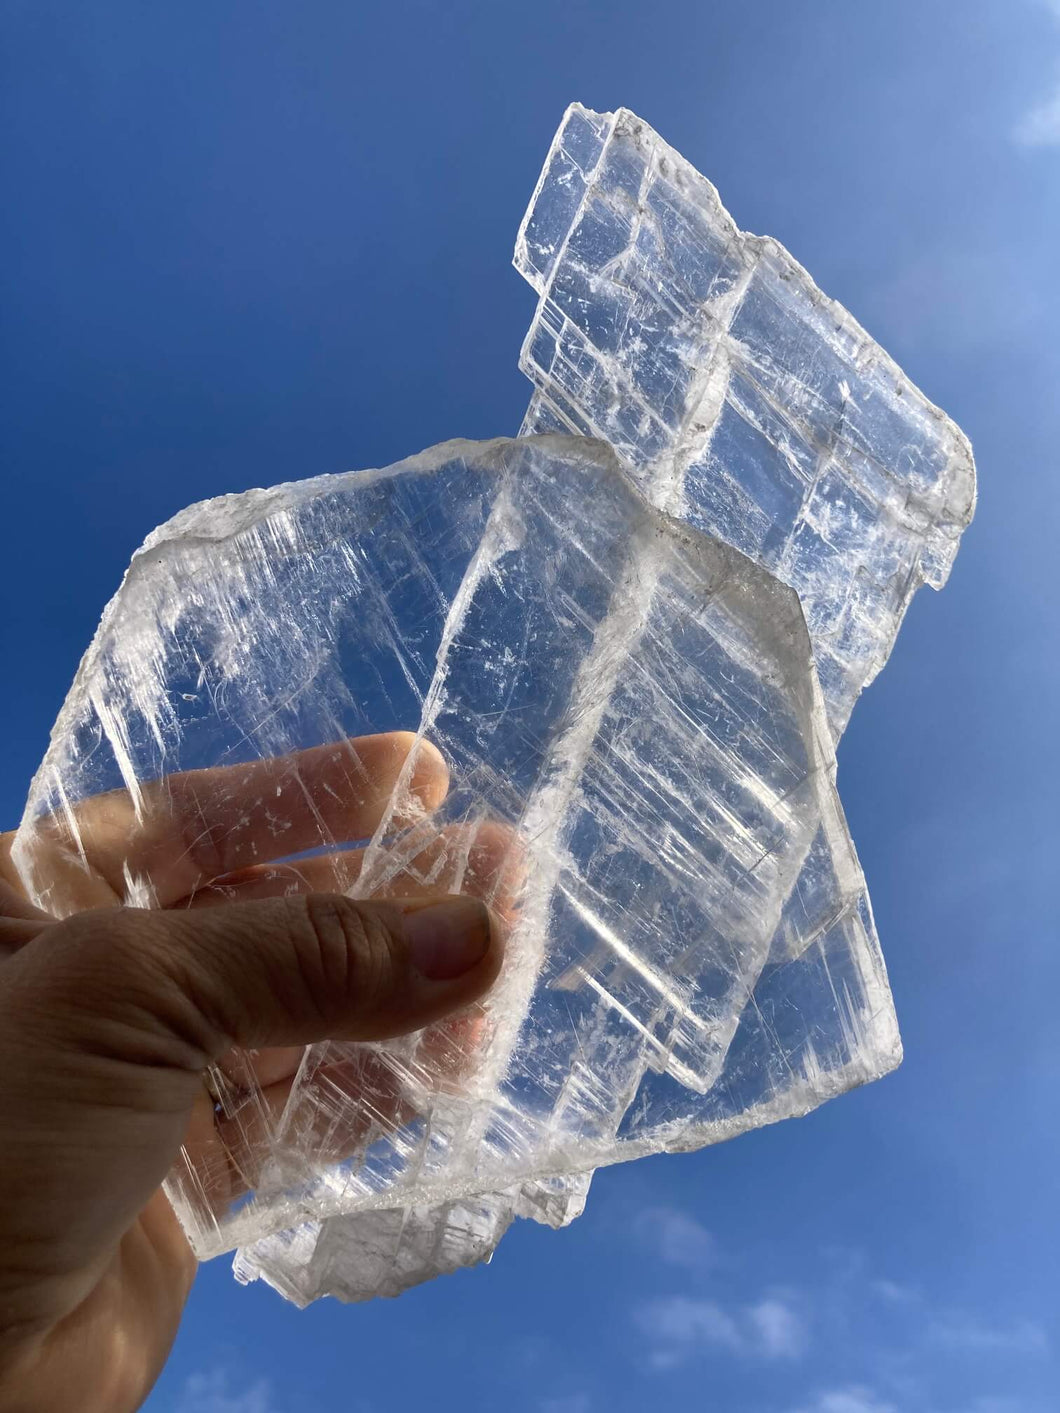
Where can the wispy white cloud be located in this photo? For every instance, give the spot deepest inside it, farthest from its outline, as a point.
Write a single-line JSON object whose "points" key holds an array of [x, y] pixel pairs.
{"points": [[676, 1238], [213, 1392], [859, 1398], [569, 1403], [956, 1330], [894, 1293], [1004, 1403], [901, 1330], [853, 1398], [956, 301], [780, 1333], [1040, 125], [680, 1327], [990, 1403]]}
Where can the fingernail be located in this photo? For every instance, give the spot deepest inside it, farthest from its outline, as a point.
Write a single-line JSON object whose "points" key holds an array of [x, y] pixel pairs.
{"points": [[447, 938]]}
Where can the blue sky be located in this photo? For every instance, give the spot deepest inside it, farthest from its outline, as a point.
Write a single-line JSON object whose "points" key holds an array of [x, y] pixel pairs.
{"points": [[247, 243]]}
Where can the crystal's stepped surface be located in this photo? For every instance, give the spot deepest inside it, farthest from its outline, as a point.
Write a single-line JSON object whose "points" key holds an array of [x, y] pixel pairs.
{"points": [[744, 400], [606, 644]]}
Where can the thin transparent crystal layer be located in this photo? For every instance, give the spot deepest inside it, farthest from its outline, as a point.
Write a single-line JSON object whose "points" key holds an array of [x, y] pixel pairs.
{"points": [[640, 769]]}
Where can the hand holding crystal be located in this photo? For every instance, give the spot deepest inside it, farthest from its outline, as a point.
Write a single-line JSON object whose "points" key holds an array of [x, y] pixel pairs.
{"points": [[111, 1018]]}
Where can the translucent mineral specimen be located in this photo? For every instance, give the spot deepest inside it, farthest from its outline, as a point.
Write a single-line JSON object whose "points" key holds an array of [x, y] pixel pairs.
{"points": [[641, 757], [742, 400], [631, 704]]}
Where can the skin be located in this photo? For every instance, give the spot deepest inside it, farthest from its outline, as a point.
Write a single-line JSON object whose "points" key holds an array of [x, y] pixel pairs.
{"points": [[110, 1019]]}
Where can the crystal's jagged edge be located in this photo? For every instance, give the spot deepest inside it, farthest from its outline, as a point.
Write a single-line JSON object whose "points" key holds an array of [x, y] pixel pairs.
{"points": [[743, 399], [635, 701], [368, 1254]]}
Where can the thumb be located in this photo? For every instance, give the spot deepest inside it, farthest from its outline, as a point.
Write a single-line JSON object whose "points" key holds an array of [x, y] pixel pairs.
{"points": [[108, 1020]]}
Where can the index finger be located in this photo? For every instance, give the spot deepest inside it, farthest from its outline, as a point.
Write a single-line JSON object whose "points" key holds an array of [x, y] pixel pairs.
{"points": [[195, 826]]}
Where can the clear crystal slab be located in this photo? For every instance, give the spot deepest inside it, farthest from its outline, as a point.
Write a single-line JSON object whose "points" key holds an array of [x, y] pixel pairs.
{"points": [[742, 400], [633, 701]]}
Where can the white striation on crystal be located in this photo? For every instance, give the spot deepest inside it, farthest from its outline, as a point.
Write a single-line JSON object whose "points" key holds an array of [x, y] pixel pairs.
{"points": [[611, 656]]}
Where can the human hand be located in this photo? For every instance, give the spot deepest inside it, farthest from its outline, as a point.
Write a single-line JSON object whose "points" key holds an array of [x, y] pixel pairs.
{"points": [[110, 1019]]}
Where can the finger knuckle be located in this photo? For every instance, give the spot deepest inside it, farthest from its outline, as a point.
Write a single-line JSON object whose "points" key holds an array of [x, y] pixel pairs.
{"points": [[348, 962]]}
